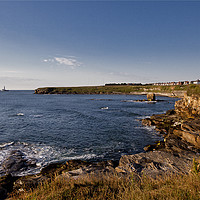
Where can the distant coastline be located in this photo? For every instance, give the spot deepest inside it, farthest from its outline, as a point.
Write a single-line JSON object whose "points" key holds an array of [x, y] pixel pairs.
{"points": [[170, 91]]}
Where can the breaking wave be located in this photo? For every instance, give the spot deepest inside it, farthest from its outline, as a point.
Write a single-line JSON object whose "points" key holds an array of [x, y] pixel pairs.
{"points": [[43, 154]]}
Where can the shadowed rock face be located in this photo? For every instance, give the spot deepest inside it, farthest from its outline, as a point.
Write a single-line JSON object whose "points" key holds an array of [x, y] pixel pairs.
{"points": [[6, 185]]}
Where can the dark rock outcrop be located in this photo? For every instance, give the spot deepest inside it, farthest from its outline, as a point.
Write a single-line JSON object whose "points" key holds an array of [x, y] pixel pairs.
{"points": [[16, 162]]}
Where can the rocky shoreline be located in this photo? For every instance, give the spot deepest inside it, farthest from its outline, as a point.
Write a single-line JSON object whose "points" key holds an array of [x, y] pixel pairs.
{"points": [[180, 129]]}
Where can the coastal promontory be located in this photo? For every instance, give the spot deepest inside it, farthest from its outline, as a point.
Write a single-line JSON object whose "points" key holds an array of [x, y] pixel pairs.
{"points": [[171, 91]]}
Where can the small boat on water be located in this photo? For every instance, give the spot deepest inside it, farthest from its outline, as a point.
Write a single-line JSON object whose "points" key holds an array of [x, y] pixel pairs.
{"points": [[4, 89]]}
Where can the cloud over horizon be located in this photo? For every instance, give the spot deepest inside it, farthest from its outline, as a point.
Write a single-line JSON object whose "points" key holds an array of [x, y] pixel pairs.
{"points": [[71, 62]]}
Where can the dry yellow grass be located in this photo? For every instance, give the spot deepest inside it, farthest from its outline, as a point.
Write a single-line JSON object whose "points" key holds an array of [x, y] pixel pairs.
{"points": [[174, 187]]}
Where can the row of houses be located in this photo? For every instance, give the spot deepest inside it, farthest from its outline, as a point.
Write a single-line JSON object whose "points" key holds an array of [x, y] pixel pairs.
{"points": [[160, 83], [179, 83], [116, 84]]}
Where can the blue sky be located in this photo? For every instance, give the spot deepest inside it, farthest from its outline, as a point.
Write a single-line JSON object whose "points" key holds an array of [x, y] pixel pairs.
{"points": [[75, 43]]}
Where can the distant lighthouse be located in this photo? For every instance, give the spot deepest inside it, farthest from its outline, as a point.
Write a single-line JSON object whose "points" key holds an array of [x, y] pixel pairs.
{"points": [[4, 89]]}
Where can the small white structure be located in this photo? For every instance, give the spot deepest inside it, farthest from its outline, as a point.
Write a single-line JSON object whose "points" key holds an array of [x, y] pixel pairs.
{"points": [[4, 89], [196, 82]]}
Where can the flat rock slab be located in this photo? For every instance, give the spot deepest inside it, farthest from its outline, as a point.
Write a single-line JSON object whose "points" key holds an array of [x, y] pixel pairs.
{"points": [[92, 169], [156, 163]]}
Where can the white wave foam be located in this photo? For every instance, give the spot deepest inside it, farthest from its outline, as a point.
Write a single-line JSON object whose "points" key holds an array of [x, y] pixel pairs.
{"points": [[6, 144], [20, 114], [85, 157], [143, 117], [128, 100], [149, 128], [43, 154]]}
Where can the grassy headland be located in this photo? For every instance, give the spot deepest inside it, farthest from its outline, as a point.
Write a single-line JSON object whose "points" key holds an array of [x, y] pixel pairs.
{"points": [[129, 90]]}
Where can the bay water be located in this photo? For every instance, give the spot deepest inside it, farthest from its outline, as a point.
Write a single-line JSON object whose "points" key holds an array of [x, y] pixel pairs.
{"points": [[51, 128]]}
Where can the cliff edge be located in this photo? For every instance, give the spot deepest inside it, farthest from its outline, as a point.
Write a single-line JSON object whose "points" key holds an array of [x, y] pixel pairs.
{"points": [[181, 131]]}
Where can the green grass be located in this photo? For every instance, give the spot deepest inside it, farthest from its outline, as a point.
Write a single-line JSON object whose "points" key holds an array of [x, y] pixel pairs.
{"points": [[107, 89], [190, 89], [193, 90], [174, 187]]}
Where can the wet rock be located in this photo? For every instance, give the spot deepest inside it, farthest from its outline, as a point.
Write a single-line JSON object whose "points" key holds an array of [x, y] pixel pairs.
{"points": [[171, 112], [147, 122], [16, 162]]}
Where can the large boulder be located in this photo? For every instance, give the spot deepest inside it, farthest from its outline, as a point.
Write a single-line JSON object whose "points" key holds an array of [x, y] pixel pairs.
{"points": [[151, 97]]}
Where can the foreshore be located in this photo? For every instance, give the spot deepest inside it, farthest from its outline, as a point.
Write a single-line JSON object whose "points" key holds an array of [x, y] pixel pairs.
{"points": [[180, 129]]}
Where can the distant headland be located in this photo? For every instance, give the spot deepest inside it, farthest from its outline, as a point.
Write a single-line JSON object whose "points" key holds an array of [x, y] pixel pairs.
{"points": [[171, 89]]}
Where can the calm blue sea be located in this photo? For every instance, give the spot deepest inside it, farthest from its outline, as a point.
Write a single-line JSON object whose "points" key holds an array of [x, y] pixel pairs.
{"points": [[53, 128]]}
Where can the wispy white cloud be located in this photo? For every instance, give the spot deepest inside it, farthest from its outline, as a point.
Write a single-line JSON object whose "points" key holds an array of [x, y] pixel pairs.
{"points": [[71, 61], [10, 72], [10, 78]]}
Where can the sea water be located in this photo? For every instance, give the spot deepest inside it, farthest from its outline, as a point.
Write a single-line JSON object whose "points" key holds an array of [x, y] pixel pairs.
{"points": [[51, 128]]}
